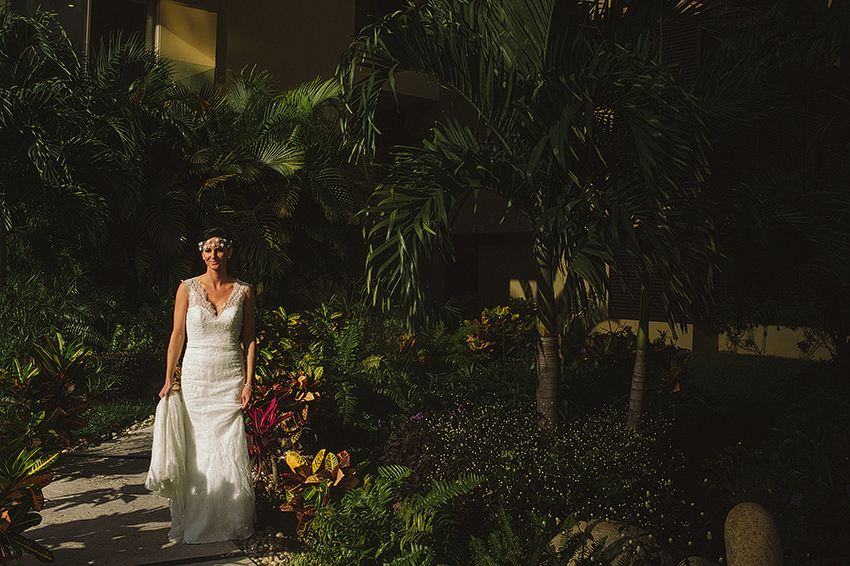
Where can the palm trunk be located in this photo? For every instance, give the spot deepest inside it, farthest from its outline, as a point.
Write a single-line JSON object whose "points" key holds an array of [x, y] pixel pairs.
{"points": [[639, 374], [548, 374], [548, 349], [3, 234]]}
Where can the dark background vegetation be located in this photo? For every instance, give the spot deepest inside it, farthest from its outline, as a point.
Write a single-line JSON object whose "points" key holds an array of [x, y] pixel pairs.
{"points": [[108, 170]]}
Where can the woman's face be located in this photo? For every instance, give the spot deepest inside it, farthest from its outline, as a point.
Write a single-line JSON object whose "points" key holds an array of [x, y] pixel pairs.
{"points": [[215, 253]]}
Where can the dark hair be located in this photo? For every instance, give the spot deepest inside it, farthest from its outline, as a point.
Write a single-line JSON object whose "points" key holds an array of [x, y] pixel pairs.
{"points": [[214, 232]]}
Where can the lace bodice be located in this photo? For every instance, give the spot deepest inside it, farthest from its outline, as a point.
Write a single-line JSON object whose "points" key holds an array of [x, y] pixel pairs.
{"points": [[205, 327]]}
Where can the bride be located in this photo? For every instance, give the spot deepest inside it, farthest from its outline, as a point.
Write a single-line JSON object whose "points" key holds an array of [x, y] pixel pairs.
{"points": [[200, 456]]}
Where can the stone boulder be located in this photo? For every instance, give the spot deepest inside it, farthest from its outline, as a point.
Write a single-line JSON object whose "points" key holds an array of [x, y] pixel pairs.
{"points": [[638, 541], [751, 537]]}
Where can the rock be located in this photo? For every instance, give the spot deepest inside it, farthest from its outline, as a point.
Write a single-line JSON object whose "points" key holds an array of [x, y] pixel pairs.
{"points": [[697, 561], [751, 537], [637, 541]]}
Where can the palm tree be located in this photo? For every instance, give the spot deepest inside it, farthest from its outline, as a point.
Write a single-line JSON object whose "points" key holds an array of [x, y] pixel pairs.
{"points": [[579, 126], [140, 125], [273, 167], [45, 128], [76, 141], [786, 252]]}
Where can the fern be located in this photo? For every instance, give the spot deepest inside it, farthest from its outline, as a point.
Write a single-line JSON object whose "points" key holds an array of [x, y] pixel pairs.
{"points": [[441, 492], [570, 546], [576, 546], [502, 544], [370, 527], [347, 342], [346, 401], [414, 555], [394, 474]]}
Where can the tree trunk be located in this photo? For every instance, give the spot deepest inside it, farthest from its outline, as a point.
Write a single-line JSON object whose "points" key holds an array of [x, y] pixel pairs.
{"points": [[548, 348], [548, 375], [639, 374], [3, 234]]}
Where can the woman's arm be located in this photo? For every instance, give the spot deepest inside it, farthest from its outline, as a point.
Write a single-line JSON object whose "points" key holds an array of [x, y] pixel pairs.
{"points": [[249, 345], [178, 337]]}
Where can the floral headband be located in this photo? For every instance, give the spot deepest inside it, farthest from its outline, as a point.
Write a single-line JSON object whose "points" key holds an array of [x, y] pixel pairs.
{"points": [[214, 244]]}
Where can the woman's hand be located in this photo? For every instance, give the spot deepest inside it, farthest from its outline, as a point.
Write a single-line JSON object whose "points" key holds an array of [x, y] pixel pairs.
{"points": [[166, 389], [246, 395], [178, 337]]}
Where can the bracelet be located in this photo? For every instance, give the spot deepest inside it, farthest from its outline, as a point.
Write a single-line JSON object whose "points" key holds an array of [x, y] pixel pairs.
{"points": [[248, 385]]}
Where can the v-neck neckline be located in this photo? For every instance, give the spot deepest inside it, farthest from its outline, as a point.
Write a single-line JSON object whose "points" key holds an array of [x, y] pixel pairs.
{"points": [[209, 302]]}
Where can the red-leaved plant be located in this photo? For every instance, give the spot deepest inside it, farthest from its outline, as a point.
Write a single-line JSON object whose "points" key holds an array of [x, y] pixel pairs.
{"points": [[263, 441]]}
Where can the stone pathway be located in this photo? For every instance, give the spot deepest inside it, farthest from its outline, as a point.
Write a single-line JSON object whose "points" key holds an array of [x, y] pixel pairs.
{"points": [[98, 511]]}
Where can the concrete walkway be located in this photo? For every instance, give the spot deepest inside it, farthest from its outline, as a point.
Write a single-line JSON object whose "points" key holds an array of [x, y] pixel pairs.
{"points": [[98, 511]]}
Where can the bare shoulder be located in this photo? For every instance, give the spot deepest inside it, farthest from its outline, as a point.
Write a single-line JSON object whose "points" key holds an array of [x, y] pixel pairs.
{"points": [[249, 291], [182, 292]]}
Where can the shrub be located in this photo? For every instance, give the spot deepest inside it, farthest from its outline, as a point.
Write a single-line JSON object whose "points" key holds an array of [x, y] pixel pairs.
{"points": [[53, 381], [104, 419], [529, 542], [138, 374], [22, 477], [370, 526], [70, 302], [489, 359], [593, 466], [509, 381], [501, 332], [308, 485], [407, 446], [340, 367], [601, 371], [358, 363]]}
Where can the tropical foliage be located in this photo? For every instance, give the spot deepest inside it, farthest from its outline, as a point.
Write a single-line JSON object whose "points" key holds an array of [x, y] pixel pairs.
{"points": [[578, 126], [270, 167], [571, 546], [782, 248], [262, 437], [308, 484], [46, 141], [41, 401], [501, 332], [22, 477], [368, 526], [53, 383]]}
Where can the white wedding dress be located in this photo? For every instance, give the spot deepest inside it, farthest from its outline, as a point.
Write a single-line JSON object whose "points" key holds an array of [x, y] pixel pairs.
{"points": [[200, 457]]}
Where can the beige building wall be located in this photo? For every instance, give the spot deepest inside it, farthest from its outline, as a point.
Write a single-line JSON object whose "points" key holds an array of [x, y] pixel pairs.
{"points": [[508, 265], [772, 340], [777, 341], [295, 41], [187, 35]]}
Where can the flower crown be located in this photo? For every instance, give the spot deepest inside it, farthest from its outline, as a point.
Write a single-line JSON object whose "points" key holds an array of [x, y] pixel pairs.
{"points": [[215, 243]]}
